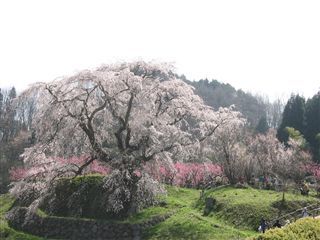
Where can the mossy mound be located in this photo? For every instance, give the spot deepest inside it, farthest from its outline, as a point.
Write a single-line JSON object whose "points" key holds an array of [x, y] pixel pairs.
{"points": [[306, 228], [83, 196]]}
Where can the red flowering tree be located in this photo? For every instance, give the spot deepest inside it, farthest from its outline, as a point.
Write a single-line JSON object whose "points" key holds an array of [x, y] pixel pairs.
{"points": [[193, 175]]}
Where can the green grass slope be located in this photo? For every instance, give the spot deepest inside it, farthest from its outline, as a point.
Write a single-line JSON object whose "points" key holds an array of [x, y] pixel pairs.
{"points": [[244, 208], [189, 223], [236, 215]]}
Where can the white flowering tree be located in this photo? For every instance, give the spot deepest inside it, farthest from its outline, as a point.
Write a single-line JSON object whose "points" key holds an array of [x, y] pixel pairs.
{"points": [[229, 148], [123, 115], [273, 158], [264, 150], [291, 163], [242, 154]]}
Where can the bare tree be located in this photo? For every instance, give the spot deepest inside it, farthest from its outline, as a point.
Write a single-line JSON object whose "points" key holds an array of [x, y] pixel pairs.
{"points": [[9, 126]]}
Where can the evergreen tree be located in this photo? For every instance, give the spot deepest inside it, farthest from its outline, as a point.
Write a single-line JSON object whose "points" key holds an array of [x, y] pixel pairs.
{"points": [[317, 155], [313, 124], [262, 126], [1, 116], [216, 94], [293, 116], [1, 100], [12, 93], [1, 104]]}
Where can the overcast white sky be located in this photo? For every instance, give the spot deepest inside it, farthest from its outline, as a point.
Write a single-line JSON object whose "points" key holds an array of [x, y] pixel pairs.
{"points": [[270, 47]]}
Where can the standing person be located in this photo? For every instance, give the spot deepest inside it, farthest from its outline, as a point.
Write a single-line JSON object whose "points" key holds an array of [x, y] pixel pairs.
{"points": [[304, 212], [263, 225], [261, 182]]}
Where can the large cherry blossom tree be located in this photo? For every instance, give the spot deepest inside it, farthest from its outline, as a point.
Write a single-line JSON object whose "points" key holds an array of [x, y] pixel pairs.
{"points": [[122, 115]]}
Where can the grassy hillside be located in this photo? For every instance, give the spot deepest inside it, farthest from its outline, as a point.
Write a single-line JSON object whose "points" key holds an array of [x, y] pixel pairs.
{"points": [[186, 223], [189, 222], [236, 215], [245, 207]]}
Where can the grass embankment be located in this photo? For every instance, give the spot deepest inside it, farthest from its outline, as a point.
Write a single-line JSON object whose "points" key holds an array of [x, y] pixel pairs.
{"points": [[186, 223], [236, 215], [189, 223], [306, 228], [244, 208]]}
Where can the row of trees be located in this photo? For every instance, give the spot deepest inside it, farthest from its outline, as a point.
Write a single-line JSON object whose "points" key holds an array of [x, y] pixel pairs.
{"points": [[245, 155], [303, 116], [13, 135], [260, 112], [15, 131], [127, 116]]}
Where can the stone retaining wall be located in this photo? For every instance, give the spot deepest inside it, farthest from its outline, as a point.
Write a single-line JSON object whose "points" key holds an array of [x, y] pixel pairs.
{"points": [[72, 228]]}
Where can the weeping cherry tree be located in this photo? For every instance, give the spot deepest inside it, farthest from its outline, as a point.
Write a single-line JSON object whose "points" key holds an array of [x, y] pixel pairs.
{"points": [[122, 115]]}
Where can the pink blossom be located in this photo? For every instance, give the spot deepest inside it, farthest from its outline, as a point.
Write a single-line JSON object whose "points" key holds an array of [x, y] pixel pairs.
{"points": [[185, 174], [17, 173], [314, 169]]}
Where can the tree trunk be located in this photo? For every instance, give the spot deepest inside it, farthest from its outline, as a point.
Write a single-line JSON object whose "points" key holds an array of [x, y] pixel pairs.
{"points": [[283, 196], [130, 206]]}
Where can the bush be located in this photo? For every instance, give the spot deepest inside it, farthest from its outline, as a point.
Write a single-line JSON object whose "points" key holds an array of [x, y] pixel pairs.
{"points": [[306, 228]]}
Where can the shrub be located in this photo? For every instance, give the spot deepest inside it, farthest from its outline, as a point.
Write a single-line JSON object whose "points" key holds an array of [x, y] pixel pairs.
{"points": [[306, 228]]}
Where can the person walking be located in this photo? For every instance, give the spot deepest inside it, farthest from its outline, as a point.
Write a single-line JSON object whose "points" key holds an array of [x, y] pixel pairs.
{"points": [[304, 212]]}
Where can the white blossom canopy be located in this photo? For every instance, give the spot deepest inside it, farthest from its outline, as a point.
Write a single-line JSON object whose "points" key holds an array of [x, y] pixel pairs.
{"points": [[122, 114]]}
